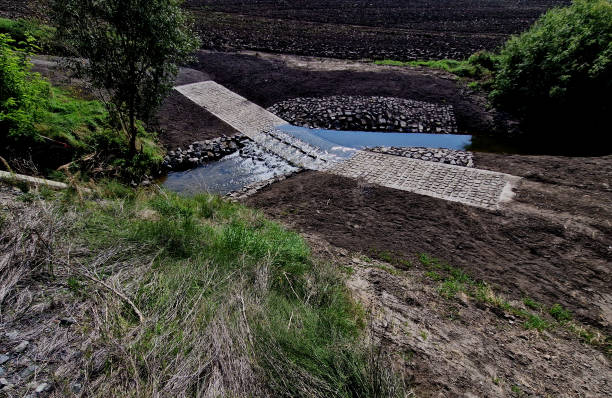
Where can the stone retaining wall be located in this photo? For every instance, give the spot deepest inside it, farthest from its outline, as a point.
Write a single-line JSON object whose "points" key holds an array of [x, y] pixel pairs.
{"points": [[446, 156], [367, 114]]}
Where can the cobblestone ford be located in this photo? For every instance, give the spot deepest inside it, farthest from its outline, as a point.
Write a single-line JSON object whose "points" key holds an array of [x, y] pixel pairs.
{"points": [[474, 187]]}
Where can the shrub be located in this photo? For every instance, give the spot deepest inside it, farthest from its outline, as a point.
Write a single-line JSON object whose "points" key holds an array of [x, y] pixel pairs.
{"points": [[23, 94], [560, 71]]}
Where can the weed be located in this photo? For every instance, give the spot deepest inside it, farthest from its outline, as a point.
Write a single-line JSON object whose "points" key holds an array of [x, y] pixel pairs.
{"points": [[423, 335], [560, 313], [535, 322], [516, 390], [532, 304], [74, 285], [434, 275], [466, 69], [224, 276], [390, 270], [496, 381], [391, 258], [450, 287], [27, 197]]}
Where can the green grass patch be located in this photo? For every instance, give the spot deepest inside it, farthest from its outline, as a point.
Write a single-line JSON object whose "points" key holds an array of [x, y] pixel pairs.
{"points": [[71, 120], [392, 258], [214, 272], [535, 322], [480, 66], [560, 313], [531, 303]]}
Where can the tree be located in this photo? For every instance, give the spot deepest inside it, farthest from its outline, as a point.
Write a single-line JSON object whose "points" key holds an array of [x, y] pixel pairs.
{"points": [[130, 49], [558, 75]]}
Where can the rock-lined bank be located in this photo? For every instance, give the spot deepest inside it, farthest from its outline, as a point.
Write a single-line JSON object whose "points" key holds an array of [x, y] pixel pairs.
{"points": [[201, 152], [362, 113], [447, 156]]}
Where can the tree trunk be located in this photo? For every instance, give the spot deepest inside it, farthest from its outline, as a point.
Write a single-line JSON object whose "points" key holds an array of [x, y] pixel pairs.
{"points": [[132, 134]]}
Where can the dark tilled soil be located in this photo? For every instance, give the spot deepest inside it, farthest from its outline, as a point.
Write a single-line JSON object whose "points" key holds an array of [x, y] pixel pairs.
{"points": [[181, 122], [268, 79], [399, 29], [531, 248]]}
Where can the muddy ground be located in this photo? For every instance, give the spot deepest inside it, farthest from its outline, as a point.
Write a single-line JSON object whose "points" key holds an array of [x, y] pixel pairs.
{"points": [[398, 29]]}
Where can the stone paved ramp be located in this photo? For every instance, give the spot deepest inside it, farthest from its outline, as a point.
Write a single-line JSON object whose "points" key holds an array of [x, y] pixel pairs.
{"points": [[474, 187]]}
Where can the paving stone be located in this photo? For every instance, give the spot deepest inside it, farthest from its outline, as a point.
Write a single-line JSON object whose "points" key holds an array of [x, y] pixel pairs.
{"points": [[474, 187]]}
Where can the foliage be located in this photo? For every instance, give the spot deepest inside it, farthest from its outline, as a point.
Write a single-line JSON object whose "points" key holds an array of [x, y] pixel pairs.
{"points": [[24, 30], [133, 48], [23, 94], [560, 71]]}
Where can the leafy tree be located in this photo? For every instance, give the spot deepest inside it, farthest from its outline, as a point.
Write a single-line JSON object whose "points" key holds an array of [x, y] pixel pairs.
{"points": [[130, 49], [558, 74], [23, 95]]}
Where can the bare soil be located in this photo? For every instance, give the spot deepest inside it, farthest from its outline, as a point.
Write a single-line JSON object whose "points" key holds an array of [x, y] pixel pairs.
{"points": [[181, 122], [553, 243], [460, 347]]}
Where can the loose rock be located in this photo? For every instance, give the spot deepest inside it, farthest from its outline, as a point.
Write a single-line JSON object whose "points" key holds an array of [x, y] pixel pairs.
{"points": [[22, 346], [201, 152]]}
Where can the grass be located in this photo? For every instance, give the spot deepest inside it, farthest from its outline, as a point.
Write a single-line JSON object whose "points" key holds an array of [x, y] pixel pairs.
{"points": [[199, 294], [560, 313], [71, 120], [459, 68], [480, 66], [452, 281]]}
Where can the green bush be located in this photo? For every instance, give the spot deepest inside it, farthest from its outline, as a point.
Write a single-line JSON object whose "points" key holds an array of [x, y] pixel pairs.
{"points": [[23, 94], [558, 74]]}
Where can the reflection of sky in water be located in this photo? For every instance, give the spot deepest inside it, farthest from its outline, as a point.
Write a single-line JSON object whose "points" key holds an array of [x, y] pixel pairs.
{"points": [[328, 139], [231, 173]]}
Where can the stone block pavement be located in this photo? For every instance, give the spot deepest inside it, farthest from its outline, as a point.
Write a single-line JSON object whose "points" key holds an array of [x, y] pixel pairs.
{"points": [[474, 187], [470, 186]]}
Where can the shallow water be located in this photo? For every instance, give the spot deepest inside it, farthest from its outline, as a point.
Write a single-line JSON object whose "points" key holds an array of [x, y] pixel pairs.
{"points": [[229, 174], [328, 139]]}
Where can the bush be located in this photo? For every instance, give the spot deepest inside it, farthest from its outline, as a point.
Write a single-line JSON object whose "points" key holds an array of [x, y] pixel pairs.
{"points": [[558, 75], [23, 94]]}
